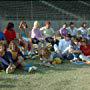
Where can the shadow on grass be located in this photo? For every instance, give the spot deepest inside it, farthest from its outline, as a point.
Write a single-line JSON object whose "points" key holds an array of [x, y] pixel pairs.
{"points": [[7, 82], [66, 66], [7, 86]]}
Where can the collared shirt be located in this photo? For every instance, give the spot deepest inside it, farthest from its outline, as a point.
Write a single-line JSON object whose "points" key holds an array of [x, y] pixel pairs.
{"points": [[72, 32], [83, 31]]}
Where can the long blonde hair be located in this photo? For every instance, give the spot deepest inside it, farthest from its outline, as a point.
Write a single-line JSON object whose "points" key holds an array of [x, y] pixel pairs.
{"points": [[36, 24]]}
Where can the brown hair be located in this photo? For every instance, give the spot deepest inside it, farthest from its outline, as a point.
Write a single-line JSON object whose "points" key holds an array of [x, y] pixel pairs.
{"points": [[21, 23], [10, 25], [48, 22]]}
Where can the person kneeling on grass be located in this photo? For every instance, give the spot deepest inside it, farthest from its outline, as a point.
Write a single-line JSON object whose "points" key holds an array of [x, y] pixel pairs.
{"points": [[85, 48], [6, 60]]}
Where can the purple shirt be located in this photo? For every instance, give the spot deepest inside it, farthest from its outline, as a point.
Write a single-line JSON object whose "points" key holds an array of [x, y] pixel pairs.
{"points": [[36, 33], [63, 31]]}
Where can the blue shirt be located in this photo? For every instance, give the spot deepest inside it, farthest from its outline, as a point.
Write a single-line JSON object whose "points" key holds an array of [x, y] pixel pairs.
{"points": [[63, 45], [23, 34], [2, 37], [75, 47], [72, 32]]}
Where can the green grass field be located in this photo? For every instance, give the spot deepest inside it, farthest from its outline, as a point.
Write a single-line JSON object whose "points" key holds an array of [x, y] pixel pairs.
{"points": [[65, 76]]}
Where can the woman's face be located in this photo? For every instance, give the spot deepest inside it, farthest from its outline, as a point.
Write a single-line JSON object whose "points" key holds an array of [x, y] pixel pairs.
{"points": [[72, 26], [24, 26], [67, 38], [84, 25], [83, 43], [76, 42], [1, 49], [36, 26], [64, 26], [48, 25], [12, 46]]}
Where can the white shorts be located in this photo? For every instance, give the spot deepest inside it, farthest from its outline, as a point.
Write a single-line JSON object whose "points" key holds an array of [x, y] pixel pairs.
{"points": [[26, 39]]}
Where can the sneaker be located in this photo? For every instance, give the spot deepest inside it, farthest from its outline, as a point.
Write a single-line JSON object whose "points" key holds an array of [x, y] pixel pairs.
{"points": [[33, 68], [30, 69], [48, 64], [74, 60], [10, 69], [41, 59], [29, 52]]}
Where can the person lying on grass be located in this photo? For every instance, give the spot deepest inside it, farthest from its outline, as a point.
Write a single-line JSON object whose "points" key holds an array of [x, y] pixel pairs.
{"points": [[19, 58], [85, 48]]}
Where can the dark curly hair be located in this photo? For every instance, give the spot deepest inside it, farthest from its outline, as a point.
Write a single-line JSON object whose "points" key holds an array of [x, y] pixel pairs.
{"points": [[10, 26]]}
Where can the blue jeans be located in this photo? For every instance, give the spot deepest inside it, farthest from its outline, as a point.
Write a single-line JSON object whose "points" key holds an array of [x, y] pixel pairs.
{"points": [[27, 66], [8, 57], [63, 56], [6, 60]]}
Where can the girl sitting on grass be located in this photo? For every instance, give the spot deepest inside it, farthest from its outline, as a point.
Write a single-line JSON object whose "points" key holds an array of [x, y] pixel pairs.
{"points": [[74, 49], [25, 37], [9, 32], [85, 48], [6, 60], [36, 34]]}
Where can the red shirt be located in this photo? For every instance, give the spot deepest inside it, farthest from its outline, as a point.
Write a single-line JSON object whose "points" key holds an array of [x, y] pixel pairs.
{"points": [[9, 35], [85, 50]]}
